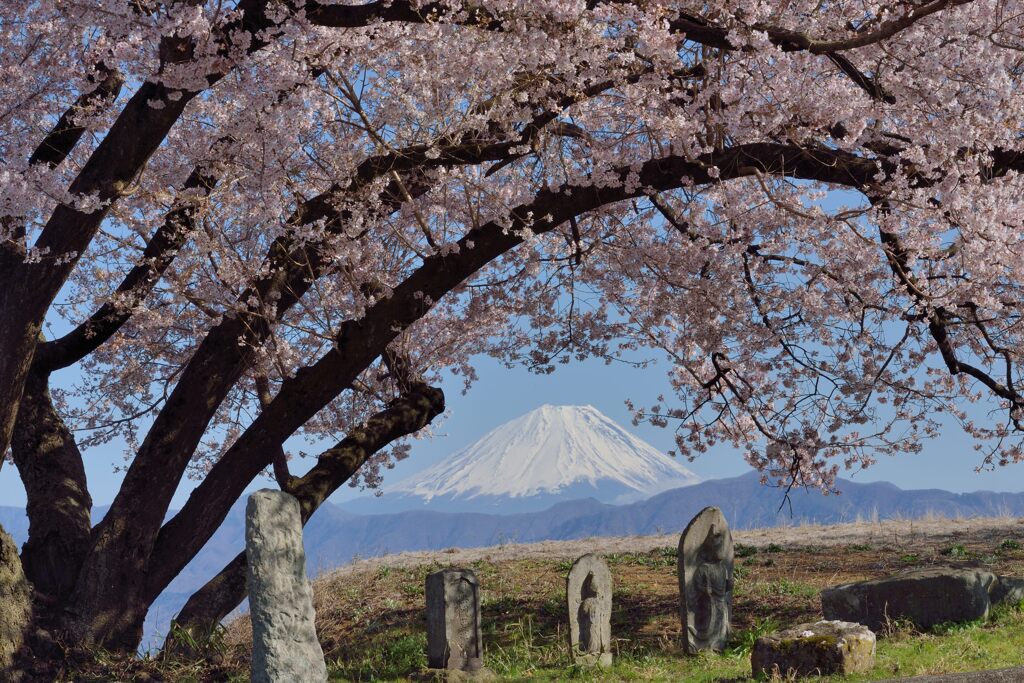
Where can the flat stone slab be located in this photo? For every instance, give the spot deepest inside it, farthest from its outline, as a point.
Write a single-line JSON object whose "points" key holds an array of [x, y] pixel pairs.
{"points": [[927, 597], [816, 649]]}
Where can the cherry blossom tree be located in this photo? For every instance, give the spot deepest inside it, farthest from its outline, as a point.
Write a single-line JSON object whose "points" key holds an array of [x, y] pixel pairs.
{"points": [[258, 221]]}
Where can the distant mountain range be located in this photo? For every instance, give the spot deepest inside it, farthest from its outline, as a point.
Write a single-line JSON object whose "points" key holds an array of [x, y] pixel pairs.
{"points": [[333, 540], [553, 474], [550, 455]]}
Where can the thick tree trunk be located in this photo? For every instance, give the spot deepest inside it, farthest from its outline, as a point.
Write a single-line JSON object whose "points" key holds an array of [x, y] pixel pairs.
{"points": [[16, 311], [108, 595], [15, 605], [200, 616], [19, 330], [59, 505]]}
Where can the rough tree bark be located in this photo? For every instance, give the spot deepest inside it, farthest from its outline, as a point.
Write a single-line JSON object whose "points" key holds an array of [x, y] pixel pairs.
{"points": [[15, 604], [50, 466]]}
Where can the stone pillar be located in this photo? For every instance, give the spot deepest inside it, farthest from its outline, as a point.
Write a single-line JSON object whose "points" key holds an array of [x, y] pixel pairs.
{"points": [[285, 648], [589, 595], [454, 637], [705, 581]]}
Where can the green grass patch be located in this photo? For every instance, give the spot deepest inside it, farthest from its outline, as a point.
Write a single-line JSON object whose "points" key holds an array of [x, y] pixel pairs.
{"points": [[391, 658], [527, 651], [956, 551], [657, 558], [782, 586]]}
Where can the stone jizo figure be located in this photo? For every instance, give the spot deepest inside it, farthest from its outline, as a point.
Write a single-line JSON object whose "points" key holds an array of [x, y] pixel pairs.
{"points": [[454, 638], [589, 595], [285, 648], [705, 581]]}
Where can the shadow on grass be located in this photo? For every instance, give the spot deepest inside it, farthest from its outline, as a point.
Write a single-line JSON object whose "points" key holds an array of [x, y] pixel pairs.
{"points": [[521, 637]]}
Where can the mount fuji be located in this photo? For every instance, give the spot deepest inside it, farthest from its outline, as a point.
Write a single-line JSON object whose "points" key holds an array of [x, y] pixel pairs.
{"points": [[550, 455]]}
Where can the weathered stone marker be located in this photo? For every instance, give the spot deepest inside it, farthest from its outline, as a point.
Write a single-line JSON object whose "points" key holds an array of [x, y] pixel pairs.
{"points": [[454, 638], [927, 597], [589, 594], [705, 581], [818, 649], [284, 643]]}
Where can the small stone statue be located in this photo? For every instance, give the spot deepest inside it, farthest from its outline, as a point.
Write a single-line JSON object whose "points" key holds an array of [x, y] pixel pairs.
{"points": [[705, 581], [589, 596]]}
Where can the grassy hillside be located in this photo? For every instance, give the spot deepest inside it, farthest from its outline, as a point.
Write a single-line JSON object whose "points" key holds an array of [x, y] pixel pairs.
{"points": [[372, 626]]}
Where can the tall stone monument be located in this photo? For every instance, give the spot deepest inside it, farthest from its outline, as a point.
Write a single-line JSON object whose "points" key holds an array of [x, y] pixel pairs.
{"points": [[285, 648], [589, 594], [705, 581], [454, 638]]}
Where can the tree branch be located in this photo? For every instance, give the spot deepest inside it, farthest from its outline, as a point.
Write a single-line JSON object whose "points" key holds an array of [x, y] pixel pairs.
{"points": [[63, 137], [51, 468], [217, 598], [140, 280], [360, 342]]}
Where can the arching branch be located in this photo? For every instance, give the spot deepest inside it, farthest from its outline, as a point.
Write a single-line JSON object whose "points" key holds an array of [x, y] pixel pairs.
{"points": [[360, 342], [406, 415]]}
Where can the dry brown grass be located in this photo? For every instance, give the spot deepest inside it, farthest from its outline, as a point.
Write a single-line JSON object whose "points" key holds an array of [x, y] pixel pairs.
{"points": [[368, 606]]}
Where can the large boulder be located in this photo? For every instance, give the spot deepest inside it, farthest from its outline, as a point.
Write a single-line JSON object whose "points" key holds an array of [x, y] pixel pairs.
{"points": [[818, 649], [926, 597], [15, 601]]}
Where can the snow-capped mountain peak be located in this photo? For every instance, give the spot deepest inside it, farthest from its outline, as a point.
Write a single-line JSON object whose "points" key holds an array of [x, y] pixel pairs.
{"points": [[570, 451]]}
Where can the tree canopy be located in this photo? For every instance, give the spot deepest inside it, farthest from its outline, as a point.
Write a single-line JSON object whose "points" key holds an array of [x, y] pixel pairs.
{"points": [[256, 220]]}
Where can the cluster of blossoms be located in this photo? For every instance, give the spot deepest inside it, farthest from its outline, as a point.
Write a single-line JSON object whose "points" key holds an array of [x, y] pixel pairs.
{"points": [[277, 217], [782, 306]]}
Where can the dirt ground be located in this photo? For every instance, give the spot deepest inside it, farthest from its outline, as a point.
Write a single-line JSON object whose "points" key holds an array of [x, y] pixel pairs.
{"points": [[370, 612]]}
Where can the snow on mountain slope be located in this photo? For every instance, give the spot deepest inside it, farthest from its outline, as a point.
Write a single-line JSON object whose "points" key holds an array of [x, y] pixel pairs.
{"points": [[568, 450]]}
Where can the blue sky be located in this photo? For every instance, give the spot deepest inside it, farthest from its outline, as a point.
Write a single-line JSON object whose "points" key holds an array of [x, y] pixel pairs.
{"points": [[502, 394]]}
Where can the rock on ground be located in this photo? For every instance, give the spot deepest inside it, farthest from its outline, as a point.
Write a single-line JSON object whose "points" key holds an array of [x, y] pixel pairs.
{"points": [[926, 597], [821, 648], [454, 635], [588, 592]]}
